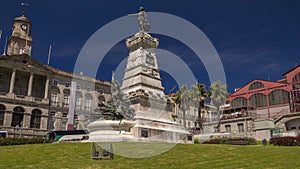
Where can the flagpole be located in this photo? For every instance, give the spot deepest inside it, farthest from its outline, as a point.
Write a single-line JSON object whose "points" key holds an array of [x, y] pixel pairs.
{"points": [[49, 55]]}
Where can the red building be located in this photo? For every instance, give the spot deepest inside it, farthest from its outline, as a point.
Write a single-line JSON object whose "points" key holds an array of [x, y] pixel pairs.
{"points": [[293, 79], [264, 109], [270, 99]]}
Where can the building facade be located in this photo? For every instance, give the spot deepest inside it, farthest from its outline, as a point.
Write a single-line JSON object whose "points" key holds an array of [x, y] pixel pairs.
{"points": [[35, 98], [189, 118], [264, 109]]}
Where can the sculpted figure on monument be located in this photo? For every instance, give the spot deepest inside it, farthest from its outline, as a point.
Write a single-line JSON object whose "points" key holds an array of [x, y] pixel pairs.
{"points": [[117, 109], [142, 20]]}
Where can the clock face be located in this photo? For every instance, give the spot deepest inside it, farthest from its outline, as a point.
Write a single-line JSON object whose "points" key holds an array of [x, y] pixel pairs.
{"points": [[24, 27]]}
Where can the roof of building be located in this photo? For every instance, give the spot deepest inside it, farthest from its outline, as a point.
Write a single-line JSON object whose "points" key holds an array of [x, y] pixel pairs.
{"points": [[30, 62], [291, 69], [22, 18], [267, 84]]}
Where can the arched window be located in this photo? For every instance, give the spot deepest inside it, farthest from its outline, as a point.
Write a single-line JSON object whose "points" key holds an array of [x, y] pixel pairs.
{"points": [[296, 81], [278, 97], [88, 102], [65, 114], [239, 102], [256, 85], [52, 113], [66, 101], [258, 100], [78, 100], [17, 118], [2, 112], [35, 120], [51, 120], [54, 95]]}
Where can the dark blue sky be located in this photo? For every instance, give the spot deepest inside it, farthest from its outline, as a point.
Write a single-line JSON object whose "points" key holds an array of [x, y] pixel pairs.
{"points": [[255, 39]]}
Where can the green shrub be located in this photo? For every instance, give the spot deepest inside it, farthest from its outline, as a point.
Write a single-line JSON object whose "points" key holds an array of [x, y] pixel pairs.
{"points": [[197, 141], [233, 141], [298, 141], [20, 141], [285, 141]]}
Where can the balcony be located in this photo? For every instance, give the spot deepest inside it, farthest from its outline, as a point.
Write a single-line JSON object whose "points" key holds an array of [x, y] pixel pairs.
{"points": [[21, 132], [23, 98], [239, 115]]}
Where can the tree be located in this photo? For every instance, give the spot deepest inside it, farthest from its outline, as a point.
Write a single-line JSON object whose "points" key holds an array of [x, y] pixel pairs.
{"points": [[199, 95], [218, 97], [182, 98]]}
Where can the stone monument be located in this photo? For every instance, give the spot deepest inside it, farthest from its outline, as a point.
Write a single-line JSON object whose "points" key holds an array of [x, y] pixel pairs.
{"points": [[142, 85]]}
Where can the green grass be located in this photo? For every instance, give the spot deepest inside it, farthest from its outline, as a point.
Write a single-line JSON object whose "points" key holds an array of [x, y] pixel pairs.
{"points": [[181, 156]]}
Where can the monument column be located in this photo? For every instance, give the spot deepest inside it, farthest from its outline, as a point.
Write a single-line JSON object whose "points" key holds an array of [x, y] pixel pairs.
{"points": [[30, 84], [152, 121], [46, 88], [12, 81]]}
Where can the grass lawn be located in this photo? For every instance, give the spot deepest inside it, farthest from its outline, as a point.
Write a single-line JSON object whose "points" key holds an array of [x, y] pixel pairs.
{"points": [[78, 155]]}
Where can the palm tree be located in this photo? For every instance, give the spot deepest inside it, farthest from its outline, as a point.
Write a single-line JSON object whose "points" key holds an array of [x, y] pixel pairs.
{"points": [[218, 97], [200, 94], [182, 98]]}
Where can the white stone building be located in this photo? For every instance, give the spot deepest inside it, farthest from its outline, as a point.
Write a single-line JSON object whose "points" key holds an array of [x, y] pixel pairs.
{"points": [[34, 98], [208, 114]]}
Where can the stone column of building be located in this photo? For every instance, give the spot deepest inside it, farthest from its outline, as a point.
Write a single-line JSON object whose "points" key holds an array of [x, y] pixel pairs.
{"points": [[30, 84], [26, 119], [83, 101], [60, 96], [44, 120], [7, 119], [46, 88], [12, 81], [58, 121]]}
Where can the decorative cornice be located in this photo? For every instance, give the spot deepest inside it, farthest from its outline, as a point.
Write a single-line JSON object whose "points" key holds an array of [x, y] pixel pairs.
{"points": [[141, 39]]}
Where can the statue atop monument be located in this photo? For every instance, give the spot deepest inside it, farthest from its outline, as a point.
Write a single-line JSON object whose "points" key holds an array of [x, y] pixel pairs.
{"points": [[142, 20]]}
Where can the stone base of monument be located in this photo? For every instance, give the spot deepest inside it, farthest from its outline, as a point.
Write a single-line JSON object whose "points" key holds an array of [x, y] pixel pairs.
{"points": [[110, 125], [138, 131], [160, 131], [110, 130]]}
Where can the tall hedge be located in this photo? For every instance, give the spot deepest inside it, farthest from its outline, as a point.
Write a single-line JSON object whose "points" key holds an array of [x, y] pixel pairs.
{"points": [[20, 141], [285, 141], [233, 141]]}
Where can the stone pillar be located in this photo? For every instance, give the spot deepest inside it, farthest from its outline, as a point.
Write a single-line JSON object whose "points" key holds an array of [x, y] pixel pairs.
{"points": [[26, 120], [12, 81], [46, 88], [57, 122], [83, 106], [44, 122], [30, 84], [7, 119]]}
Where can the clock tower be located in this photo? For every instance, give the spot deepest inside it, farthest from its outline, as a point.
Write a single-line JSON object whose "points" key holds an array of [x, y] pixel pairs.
{"points": [[20, 41]]}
